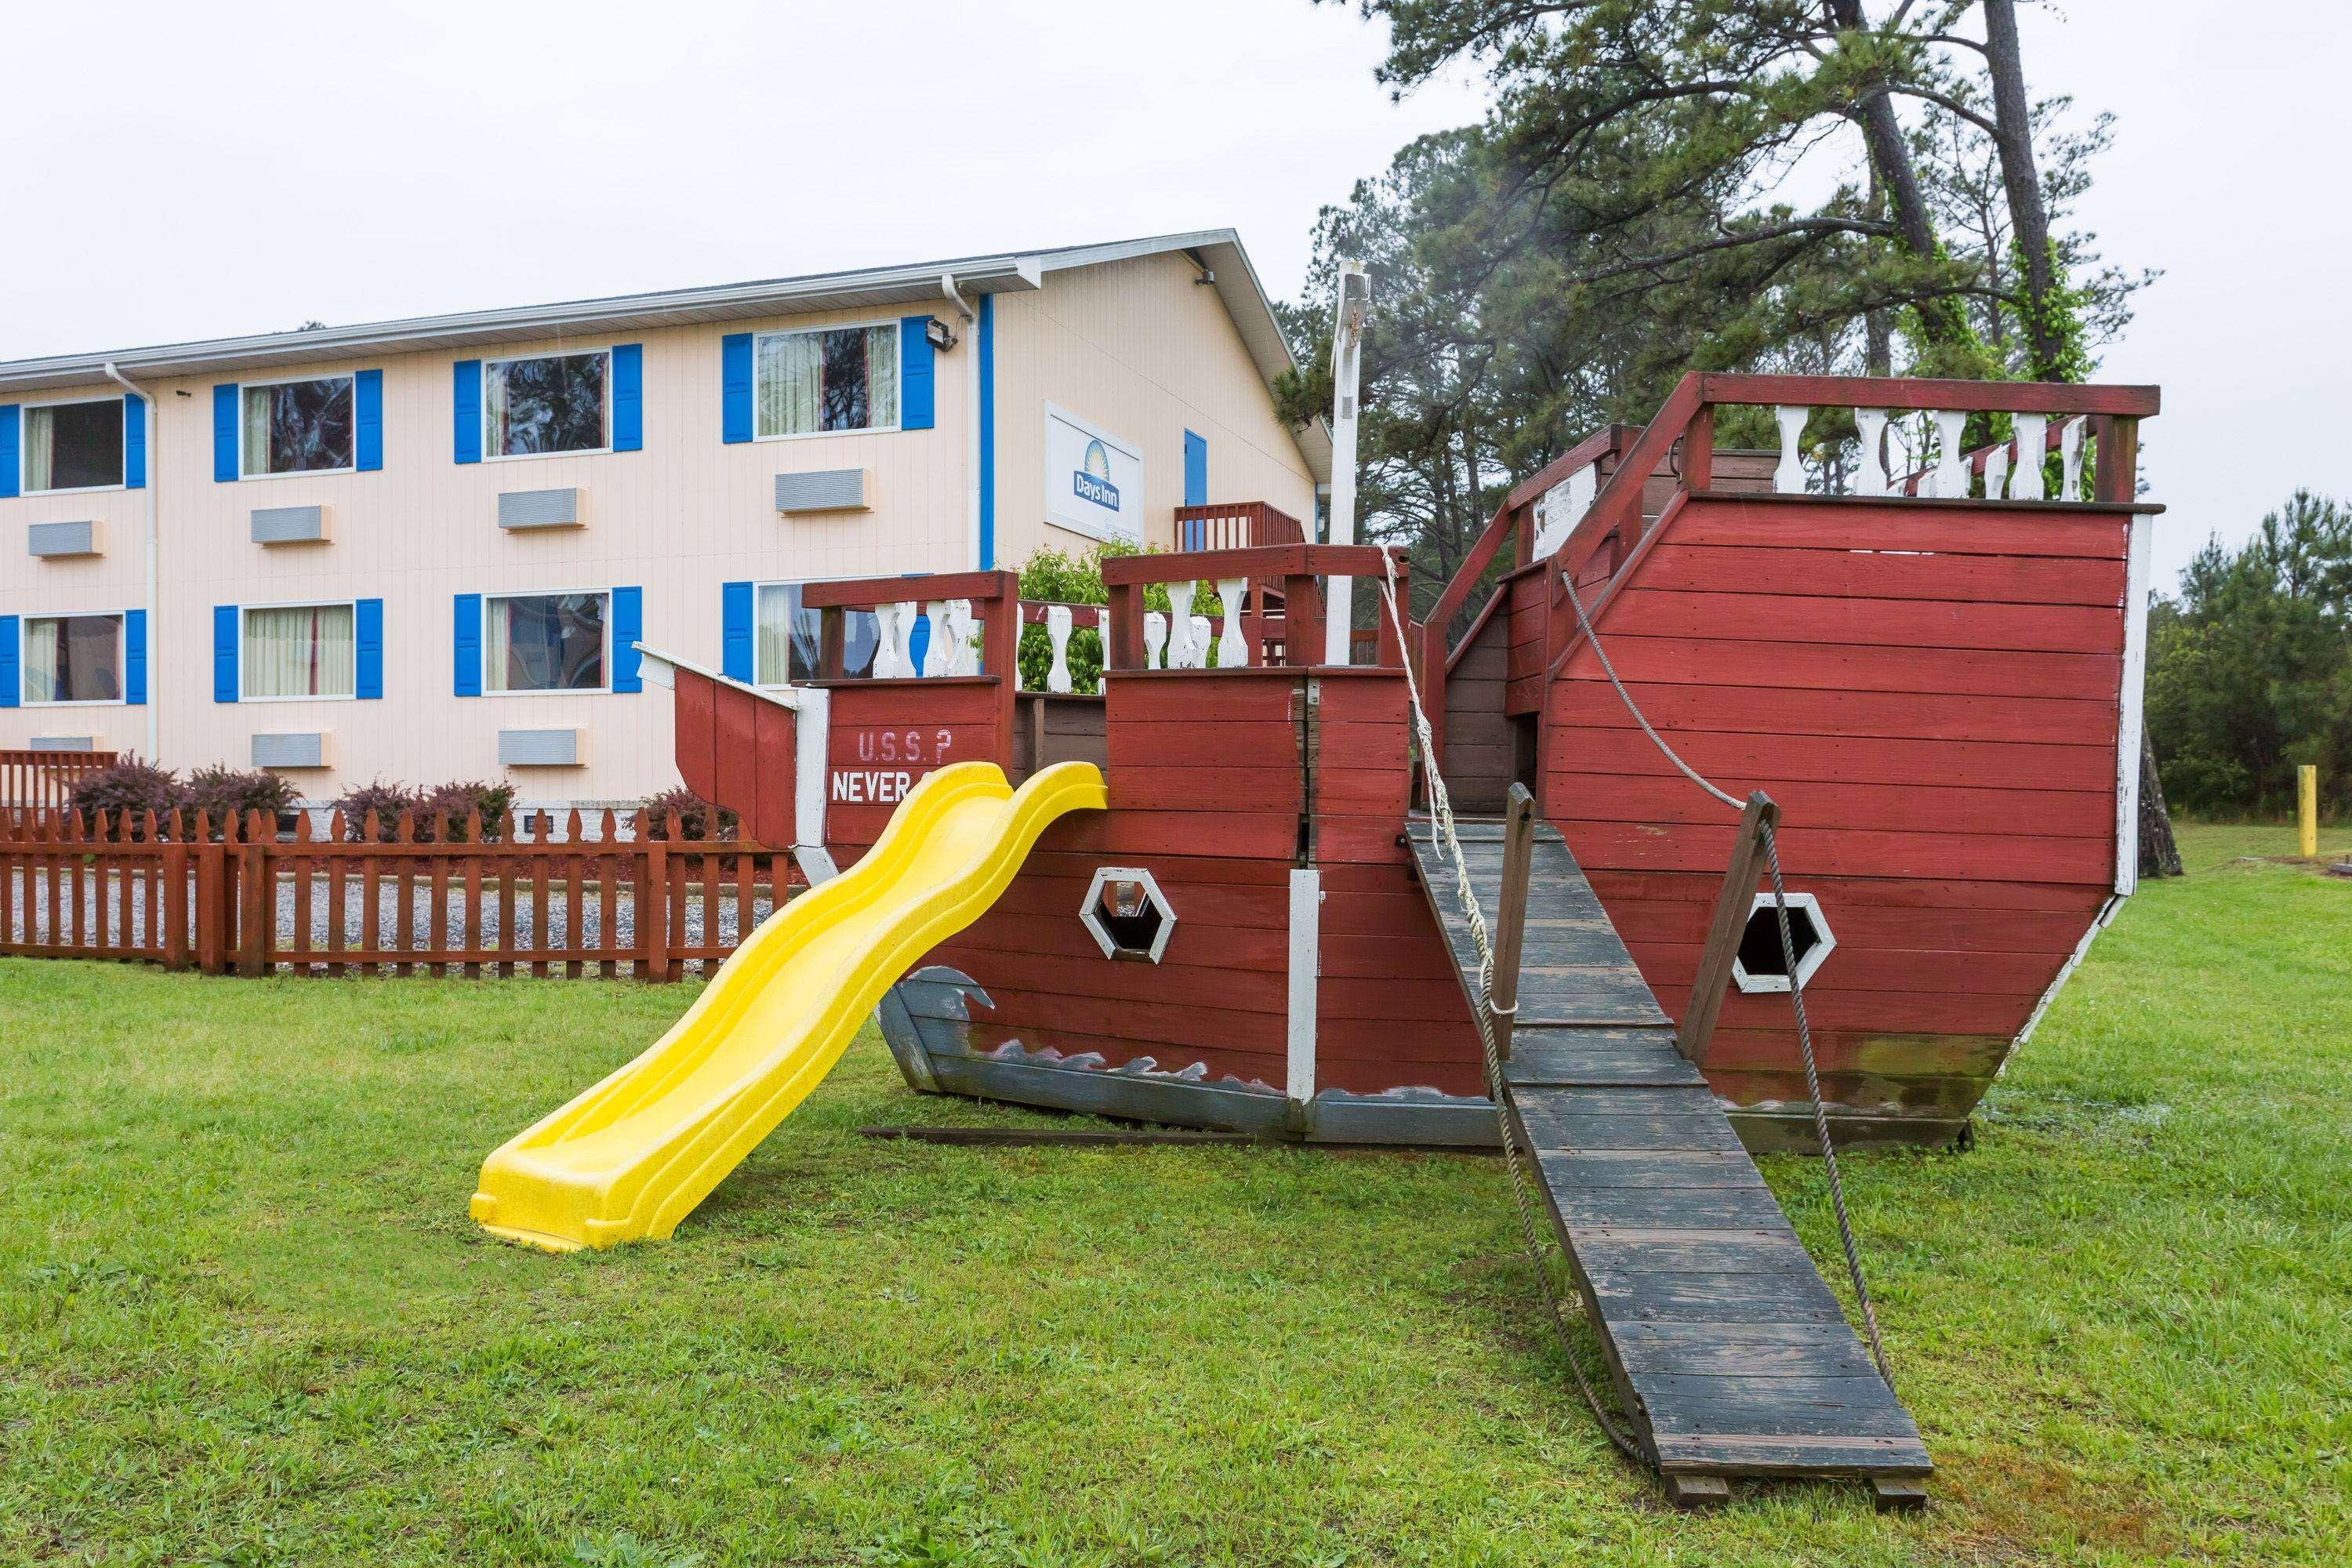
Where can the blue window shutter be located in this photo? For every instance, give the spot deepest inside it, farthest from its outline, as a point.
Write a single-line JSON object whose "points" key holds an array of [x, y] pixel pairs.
{"points": [[1196, 486], [9, 426], [134, 442], [367, 642], [224, 433], [11, 681], [629, 397], [367, 420], [918, 641], [467, 406], [135, 658], [467, 652], [915, 377], [225, 688], [735, 387], [628, 630], [735, 661]]}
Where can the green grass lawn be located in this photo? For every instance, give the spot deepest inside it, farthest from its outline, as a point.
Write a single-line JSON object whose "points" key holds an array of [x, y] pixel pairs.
{"points": [[244, 1317]]}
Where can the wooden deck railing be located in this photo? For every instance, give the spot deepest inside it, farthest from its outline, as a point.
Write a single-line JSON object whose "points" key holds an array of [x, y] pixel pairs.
{"points": [[1235, 525], [1247, 634], [44, 781], [430, 895]]}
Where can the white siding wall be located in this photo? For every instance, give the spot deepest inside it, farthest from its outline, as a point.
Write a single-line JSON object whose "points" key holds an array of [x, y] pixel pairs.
{"points": [[1134, 346], [1142, 351]]}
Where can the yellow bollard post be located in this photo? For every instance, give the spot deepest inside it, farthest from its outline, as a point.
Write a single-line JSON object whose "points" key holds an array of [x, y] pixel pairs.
{"points": [[2307, 789]]}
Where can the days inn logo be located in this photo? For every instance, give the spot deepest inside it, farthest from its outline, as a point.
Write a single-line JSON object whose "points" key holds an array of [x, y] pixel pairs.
{"points": [[1091, 481]]}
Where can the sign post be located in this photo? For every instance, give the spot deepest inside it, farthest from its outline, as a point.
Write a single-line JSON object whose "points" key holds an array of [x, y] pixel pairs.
{"points": [[1347, 366]]}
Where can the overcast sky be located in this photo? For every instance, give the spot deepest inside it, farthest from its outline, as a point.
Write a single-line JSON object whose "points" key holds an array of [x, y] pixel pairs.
{"points": [[183, 171]]}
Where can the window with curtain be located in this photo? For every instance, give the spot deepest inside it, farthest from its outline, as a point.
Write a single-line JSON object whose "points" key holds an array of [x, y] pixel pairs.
{"points": [[543, 642], [554, 404], [299, 426], [834, 378], [72, 446], [72, 659], [300, 650], [790, 640]]}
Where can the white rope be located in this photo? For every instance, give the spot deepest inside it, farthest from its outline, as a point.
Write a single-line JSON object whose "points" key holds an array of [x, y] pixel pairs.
{"points": [[1466, 895]]}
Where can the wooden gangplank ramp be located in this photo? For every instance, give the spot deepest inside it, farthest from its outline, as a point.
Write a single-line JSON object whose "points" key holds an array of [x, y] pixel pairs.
{"points": [[1729, 1354]]}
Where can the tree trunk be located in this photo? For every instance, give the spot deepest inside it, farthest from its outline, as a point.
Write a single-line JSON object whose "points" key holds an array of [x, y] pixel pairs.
{"points": [[2012, 116], [1897, 176], [2158, 855]]}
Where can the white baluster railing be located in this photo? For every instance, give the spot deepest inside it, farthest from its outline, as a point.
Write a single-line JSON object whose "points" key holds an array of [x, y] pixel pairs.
{"points": [[2070, 460], [1180, 626], [938, 654], [1996, 472], [1197, 649], [1057, 632], [887, 656], [1232, 647], [1872, 425], [2032, 441], [1789, 478], [1155, 639], [1952, 461]]}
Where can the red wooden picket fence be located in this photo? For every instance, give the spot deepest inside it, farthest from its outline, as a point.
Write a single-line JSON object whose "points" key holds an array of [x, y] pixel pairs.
{"points": [[44, 781], [421, 895]]}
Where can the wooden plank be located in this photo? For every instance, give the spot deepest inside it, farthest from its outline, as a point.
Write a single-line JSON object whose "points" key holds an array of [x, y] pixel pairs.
{"points": [[1577, 749], [1649, 1170], [1915, 393], [1697, 1129], [1682, 1403], [1809, 1351], [1790, 1454], [1925, 807], [1847, 667], [1632, 1250], [1724, 1205], [1791, 522], [1895, 623], [1787, 1296], [1846, 571], [1588, 699]]}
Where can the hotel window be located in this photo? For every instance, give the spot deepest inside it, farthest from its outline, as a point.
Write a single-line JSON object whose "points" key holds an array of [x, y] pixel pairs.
{"points": [[300, 650], [556, 403], [832, 379], [790, 639], [544, 642], [73, 659], [73, 446], [299, 426]]}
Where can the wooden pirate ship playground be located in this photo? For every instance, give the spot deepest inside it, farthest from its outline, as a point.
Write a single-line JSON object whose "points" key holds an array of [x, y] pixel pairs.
{"points": [[1226, 894]]}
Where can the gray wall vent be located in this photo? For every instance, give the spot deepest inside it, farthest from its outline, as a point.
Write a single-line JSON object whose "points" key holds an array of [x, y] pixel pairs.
{"points": [[289, 525], [292, 749], [65, 742], [825, 489], [540, 747], [520, 510], [51, 540]]}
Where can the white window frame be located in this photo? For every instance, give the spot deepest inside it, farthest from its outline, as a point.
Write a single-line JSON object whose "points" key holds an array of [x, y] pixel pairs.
{"points": [[25, 448], [121, 655], [759, 584], [352, 467], [603, 593], [1807, 966], [897, 401], [243, 665], [491, 456]]}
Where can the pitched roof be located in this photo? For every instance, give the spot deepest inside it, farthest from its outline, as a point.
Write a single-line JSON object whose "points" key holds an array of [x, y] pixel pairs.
{"points": [[1219, 250]]}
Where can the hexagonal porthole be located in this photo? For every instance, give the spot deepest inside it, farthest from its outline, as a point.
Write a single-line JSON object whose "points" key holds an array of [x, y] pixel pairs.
{"points": [[1763, 963], [1128, 913]]}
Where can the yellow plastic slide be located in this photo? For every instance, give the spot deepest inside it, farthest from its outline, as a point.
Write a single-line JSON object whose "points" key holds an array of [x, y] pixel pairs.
{"points": [[631, 1157]]}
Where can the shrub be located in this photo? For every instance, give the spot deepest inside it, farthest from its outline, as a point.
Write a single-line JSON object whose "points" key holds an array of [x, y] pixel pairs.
{"points": [[386, 800], [220, 791], [693, 812], [132, 784], [460, 801]]}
